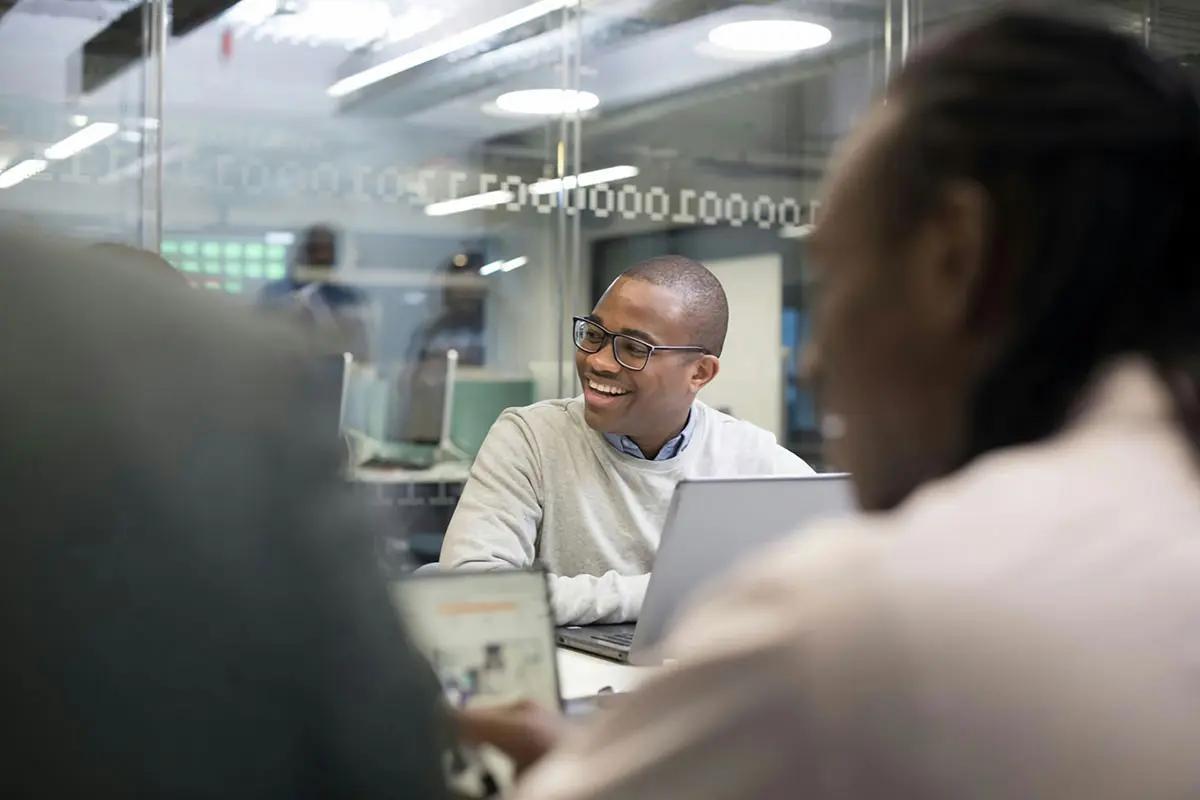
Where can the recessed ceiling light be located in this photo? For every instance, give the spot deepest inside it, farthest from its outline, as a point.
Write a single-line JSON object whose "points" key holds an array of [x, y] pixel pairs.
{"points": [[547, 102], [770, 36]]}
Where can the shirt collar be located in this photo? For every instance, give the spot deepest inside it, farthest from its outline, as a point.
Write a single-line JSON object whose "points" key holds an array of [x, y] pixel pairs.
{"points": [[674, 446]]}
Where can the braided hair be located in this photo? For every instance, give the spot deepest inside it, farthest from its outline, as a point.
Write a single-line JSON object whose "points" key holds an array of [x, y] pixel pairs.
{"points": [[1089, 151]]}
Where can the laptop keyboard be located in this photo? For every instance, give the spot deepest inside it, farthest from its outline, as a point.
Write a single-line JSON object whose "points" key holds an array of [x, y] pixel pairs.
{"points": [[622, 638]]}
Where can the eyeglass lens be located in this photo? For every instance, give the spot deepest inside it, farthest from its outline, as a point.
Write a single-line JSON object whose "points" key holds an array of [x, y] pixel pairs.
{"points": [[630, 353]]}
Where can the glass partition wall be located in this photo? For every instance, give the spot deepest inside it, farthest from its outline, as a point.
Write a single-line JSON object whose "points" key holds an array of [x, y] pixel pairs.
{"points": [[80, 118], [472, 172]]}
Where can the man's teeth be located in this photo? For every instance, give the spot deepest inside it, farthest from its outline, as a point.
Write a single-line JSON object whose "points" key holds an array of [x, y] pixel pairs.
{"points": [[606, 389]]}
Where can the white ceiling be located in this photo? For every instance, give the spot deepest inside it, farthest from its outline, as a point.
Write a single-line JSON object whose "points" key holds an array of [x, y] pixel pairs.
{"points": [[268, 78]]}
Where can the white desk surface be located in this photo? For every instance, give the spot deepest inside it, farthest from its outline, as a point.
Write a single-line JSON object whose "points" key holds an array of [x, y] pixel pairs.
{"points": [[583, 675]]}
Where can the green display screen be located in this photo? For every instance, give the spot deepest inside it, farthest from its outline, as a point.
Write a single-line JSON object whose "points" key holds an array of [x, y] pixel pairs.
{"points": [[233, 261]]}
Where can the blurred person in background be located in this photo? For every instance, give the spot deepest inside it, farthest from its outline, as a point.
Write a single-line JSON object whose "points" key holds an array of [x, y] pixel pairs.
{"points": [[336, 314], [1008, 335], [456, 322], [189, 606]]}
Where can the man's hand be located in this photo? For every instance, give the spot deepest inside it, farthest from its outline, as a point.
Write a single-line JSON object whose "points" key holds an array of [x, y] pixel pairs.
{"points": [[523, 731]]}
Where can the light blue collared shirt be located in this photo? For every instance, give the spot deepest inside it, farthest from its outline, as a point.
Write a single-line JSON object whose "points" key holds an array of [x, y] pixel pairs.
{"points": [[672, 448]]}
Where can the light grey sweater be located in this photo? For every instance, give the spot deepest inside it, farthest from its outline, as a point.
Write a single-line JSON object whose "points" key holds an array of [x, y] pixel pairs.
{"points": [[546, 487]]}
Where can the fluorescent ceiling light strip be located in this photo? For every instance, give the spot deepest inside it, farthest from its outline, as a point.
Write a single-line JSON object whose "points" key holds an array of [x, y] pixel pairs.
{"points": [[22, 171], [606, 175], [469, 203], [467, 38], [796, 231], [503, 266], [81, 140]]}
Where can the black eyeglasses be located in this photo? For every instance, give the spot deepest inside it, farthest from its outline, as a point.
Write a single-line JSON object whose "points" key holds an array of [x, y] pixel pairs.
{"points": [[630, 353]]}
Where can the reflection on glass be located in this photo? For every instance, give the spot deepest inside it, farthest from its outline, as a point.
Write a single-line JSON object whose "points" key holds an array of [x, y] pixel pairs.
{"points": [[487, 169]]}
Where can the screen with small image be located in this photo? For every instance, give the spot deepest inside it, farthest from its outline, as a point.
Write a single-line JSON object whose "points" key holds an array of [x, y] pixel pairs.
{"points": [[488, 635]]}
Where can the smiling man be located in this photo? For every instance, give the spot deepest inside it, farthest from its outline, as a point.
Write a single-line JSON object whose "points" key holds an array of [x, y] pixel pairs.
{"points": [[583, 485]]}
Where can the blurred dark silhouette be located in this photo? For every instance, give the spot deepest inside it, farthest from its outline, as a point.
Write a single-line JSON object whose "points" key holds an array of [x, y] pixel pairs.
{"points": [[190, 605], [116, 252], [459, 322], [335, 315]]}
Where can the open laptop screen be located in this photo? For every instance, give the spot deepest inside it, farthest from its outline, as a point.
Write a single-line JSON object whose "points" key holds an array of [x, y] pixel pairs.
{"points": [[488, 635]]}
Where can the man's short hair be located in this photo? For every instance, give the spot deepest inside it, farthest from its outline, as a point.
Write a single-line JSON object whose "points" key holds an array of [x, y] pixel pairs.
{"points": [[703, 296]]}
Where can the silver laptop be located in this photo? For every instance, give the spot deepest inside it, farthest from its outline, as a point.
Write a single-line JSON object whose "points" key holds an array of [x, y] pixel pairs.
{"points": [[712, 524]]}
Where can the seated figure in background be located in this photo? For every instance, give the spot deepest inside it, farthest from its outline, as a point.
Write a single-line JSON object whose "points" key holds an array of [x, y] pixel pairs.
{"points": [[335, 315]]}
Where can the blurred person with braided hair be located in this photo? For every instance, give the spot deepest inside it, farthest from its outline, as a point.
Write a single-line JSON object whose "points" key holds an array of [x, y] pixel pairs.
{"points": [[1007, 344]]}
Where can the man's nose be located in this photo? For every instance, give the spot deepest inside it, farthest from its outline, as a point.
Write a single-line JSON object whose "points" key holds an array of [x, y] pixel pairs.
{"points": [[603, 361]]}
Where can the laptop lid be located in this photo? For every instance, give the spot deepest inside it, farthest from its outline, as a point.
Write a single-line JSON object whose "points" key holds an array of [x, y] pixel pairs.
{"points": [[489, 636], [325, 386], [714, 523], [421, 399]]}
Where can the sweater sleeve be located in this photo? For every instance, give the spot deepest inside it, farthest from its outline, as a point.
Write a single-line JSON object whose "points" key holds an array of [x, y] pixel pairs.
{"points": [[778, 459], [785, 462], [496, 521], [586, 599]]}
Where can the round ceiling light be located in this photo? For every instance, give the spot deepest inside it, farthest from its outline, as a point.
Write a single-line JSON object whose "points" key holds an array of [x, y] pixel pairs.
{"points": [[548, 102], [770, 36]]}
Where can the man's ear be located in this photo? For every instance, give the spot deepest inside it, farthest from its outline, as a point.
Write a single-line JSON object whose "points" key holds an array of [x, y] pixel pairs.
{"points": [[950, 257], [704, 370]]}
